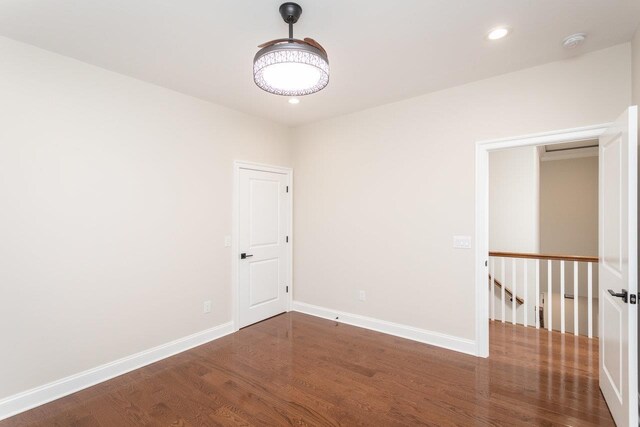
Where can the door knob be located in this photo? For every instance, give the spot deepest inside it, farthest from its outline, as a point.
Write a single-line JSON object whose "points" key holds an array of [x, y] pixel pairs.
{"points": [[244, 256], [624, 295]]}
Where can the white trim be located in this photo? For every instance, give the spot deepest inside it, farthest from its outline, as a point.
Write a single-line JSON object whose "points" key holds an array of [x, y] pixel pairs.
{"points": [[235, 250], [547, 138], [450, 342], [482, 208], [37, 396]]}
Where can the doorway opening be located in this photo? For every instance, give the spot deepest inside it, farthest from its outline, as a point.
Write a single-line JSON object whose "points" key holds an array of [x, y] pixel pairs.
{"points": [[543, 237], [569, 277], [527, 151]]}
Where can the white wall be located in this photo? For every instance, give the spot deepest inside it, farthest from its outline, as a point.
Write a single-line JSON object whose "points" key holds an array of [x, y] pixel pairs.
{"points": [[116, 197], [635, 48], [380, 193], [513, 224], [513, 200]]}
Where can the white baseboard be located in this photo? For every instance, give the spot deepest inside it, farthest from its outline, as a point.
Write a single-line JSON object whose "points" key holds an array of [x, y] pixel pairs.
{"points": [[450, 342], [29, 399]]}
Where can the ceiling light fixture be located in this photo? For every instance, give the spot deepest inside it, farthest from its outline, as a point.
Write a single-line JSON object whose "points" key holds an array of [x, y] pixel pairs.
{"points": [[291, 67], [294, 101], [498, 33]]}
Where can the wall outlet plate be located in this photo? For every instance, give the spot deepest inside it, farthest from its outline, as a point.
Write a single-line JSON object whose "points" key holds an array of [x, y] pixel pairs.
{"points": [[462, 242], [206, 307], [362, 295]]}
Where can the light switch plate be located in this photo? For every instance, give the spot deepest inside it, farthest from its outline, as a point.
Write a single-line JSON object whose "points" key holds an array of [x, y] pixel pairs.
{"points": [[462, 242], [227, 241]]}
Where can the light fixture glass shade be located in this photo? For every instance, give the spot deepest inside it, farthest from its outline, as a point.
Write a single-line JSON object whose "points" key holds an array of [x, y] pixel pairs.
{"points": [[291, 69]]}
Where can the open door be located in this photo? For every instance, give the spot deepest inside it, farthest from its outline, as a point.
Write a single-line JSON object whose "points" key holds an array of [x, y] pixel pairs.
{"points": [[618, 272]]}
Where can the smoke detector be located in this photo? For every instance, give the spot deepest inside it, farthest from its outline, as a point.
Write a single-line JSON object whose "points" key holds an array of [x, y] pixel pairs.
{"points": [[574, 40]]}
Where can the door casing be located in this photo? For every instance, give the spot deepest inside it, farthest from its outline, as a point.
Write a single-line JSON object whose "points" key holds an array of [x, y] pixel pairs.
{"points": [[482, 211], [235, 249]]}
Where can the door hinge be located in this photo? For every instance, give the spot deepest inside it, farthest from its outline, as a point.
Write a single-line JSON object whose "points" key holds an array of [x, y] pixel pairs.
{"points": [[287, 289], [287, 188], [287, 239]]}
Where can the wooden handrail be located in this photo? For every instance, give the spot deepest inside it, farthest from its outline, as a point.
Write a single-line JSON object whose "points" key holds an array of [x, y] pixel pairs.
{"points": [[507, 291], [579, 258]]}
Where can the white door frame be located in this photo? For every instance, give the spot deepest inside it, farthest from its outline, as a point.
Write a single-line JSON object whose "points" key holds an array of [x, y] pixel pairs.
{"points": [[235, 250], [482, 211]]}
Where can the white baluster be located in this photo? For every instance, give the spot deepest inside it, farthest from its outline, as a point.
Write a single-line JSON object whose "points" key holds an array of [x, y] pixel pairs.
{"points": [[504, 316], [575, 298], [493, 289], [513, 291], [549, 299], [524, 292], [537, 299], [590, 298], [562, 296]]}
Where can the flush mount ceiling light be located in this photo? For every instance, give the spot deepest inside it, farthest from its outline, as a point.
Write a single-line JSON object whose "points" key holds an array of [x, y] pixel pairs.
{"points": [[498, 33], [291, 67]]}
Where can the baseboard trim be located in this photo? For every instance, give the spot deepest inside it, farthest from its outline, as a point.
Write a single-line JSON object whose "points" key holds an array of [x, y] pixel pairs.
{"points": [[29, 399], [449, 342]]}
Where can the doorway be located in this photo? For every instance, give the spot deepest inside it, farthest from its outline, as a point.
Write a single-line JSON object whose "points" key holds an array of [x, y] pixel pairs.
{"points": [[617, 247], [262, 244], [543, 237], [483, 149]]}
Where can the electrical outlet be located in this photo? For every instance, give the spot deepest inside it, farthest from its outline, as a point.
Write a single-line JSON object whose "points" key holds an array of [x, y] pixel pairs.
{"points": [[227, 241], [362, 295], [206, 307]]}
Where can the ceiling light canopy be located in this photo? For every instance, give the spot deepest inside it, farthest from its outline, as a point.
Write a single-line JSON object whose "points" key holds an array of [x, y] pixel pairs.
{"points": [[498, 33], [291, 67]]}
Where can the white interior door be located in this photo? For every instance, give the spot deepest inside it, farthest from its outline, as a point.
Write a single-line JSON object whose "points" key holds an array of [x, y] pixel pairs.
{"points": [[262, 241], [618, 270]]}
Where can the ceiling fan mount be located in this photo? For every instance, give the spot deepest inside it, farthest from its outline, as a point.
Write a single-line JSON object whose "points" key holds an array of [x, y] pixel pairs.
{"points": [[290, 12]]}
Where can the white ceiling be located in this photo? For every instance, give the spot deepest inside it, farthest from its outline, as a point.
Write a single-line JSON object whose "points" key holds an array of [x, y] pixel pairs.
{"points": [[379, 51]]}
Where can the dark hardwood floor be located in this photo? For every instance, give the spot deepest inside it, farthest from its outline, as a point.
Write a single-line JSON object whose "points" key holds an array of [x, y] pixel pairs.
{"points": [[296, 369]]}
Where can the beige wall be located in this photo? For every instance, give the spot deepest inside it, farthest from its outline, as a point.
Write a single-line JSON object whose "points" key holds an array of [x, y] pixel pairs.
{"points": [[380, 193], [569, 225], [569, 206], [116, 198]]}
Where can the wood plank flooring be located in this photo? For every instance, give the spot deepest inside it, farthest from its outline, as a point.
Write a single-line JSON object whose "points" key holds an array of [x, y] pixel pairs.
{"points": [[295, 369]]}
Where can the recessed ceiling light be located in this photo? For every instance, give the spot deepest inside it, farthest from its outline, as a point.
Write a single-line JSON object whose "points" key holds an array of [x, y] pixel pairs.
{"points": [[294, 101], [574, 40], [498, 33]]}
